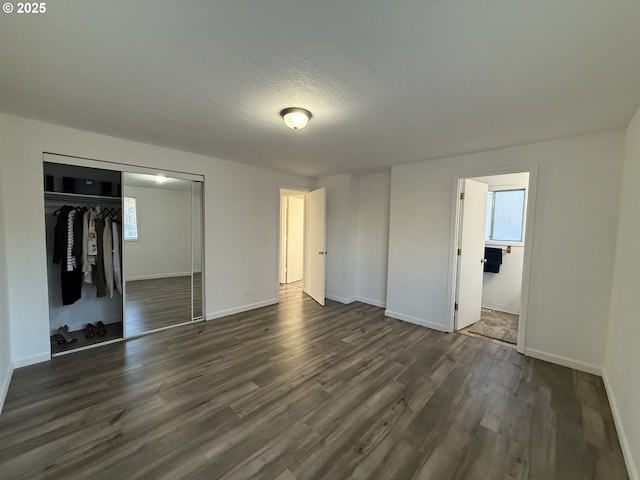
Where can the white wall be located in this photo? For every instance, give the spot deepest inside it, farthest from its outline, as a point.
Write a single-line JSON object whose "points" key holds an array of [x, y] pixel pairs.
{"points": [[164, 231], [501, 291], [241, 236], [341, 236], [572, 248], [622, 354], [373, 238], [5, 346]]}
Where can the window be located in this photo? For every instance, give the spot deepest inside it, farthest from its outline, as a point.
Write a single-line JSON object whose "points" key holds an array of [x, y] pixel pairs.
{"points": [[130, 218], [505, 215]]}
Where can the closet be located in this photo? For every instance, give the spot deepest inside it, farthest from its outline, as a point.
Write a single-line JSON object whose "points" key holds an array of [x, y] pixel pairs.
{"points": [[81, 291], [124, 251]]}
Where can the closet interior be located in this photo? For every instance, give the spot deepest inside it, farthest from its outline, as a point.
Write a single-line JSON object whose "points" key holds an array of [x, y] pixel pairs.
{"points": [[124, 252], [83, 214]]}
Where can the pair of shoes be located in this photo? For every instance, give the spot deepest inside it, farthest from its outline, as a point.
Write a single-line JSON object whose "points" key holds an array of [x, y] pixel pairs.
{"points": [[90, 331], [99, 329], [64, 336]]}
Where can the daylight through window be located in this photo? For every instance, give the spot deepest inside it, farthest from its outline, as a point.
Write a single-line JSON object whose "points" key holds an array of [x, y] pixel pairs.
{"points": [[505, 215], [130, 218]]}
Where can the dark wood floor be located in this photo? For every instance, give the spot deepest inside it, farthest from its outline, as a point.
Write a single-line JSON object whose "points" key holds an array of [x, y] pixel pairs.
{"points": [[161, 302], [299, 391]]}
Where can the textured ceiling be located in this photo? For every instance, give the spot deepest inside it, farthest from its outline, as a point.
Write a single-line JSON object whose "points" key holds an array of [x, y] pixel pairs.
{"points": [[387, 82]]}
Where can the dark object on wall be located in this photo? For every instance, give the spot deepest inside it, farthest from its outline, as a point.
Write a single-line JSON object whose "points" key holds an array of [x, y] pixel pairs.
{"points": [[493, 257]]}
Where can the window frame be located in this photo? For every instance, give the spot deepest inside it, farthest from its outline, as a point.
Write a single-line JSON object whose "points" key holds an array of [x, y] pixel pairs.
{"points": [[509, 188], [124, 216]]}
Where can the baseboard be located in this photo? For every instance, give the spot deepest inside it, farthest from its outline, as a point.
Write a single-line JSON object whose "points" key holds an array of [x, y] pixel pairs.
{"points": [[158, 275], [370, 301], [564, 361], [4, 384], [242, 308], [622, 437], [415, 320], [335, 298], [31, 359], [500, 308]]}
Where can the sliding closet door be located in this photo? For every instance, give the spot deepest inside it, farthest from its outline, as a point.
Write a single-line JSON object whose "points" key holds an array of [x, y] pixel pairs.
{"points": [[197, 236], [158, 252]]}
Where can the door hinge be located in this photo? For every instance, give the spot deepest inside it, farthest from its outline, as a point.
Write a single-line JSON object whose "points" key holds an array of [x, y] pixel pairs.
{"points": [[455, 307], [462, 196], [459, 251]]}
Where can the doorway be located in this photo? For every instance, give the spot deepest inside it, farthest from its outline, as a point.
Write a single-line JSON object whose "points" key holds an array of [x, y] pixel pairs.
{"points": [[292, 238], [491, 256], [302, 244]]}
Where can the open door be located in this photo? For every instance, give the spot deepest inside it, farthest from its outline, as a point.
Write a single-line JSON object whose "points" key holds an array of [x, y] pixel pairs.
{"points": [[471, 253], [316, 245]]}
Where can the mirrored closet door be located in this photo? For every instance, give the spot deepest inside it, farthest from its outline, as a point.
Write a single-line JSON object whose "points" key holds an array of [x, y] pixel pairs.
{"points": [[162, 217], [197, 249]]}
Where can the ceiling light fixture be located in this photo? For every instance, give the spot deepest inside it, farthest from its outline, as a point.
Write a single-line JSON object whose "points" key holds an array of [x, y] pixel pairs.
{"points": [[295, 118]]}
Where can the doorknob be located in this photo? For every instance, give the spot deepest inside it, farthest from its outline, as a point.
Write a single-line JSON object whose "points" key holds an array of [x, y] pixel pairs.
{"points": [[322, 253], [484, 260]]}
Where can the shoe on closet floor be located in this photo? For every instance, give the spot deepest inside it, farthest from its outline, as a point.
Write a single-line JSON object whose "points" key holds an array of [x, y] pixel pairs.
{"points": [[66, 337], [101, 329], [90, 331]]}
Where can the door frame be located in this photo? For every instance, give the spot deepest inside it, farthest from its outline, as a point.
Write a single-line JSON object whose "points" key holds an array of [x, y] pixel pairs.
{"points": [[305, 261], [458, 178]]}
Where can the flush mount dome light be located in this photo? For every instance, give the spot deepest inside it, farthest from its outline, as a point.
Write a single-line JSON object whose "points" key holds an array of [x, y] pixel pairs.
{"points": [[295, 118]]}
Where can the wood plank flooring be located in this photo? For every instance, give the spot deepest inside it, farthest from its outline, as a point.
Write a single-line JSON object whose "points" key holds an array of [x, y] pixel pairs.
{"points": [[160, 302], [297, 391]]}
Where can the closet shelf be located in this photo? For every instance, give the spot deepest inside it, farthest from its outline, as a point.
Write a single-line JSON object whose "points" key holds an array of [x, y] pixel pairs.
{"points": [[63, 195]]}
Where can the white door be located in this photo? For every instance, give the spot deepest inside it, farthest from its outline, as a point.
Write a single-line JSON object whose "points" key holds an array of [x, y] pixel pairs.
{"points": [[471, 258], [316, 242]]}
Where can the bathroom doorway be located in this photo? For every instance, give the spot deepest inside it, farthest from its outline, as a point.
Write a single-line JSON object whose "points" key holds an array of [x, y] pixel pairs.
{"points": [[490, 256]]}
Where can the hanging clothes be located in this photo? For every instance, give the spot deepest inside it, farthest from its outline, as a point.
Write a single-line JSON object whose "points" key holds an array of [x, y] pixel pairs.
{"points": [[87, 247], [60, 234], [70, 280], [92, 241], [77, 236], [117, 269], [107, 253], [86, 266], [100, 279]]}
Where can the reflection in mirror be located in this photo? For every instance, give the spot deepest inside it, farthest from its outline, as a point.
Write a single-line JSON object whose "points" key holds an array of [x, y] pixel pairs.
{"points": [[157, 252], [196, 236]]}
